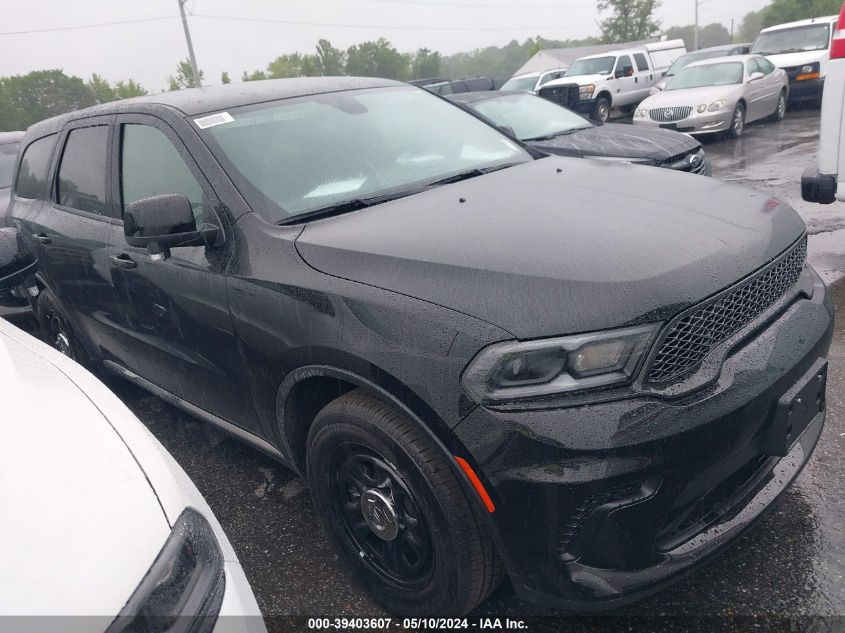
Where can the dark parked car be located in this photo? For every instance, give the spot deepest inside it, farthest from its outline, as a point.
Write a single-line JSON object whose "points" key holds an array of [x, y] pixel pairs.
{"points": [[588, 376], [456, 86], [553, 129], [9, 142]]}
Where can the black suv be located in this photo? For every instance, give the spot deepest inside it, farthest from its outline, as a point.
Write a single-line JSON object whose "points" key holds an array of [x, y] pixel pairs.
{"points": [[484, 361]]}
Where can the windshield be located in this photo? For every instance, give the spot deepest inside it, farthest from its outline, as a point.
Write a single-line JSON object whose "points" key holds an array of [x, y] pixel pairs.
{"points": [[530, 117], [594, 66], [299, 155], [724, 74], [686, 60], [520, 84], [8, 153], [814, 37]]}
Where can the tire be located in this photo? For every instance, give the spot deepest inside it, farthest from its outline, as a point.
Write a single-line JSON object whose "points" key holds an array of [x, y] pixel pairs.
{"points": [[424, 550], [780, 109], [737, 122], [57, 331], [601, 111]]}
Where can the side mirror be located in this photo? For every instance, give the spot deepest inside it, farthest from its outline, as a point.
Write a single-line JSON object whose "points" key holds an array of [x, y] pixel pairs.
{"points": [[755, 76], [17, 269], [166, 221]]}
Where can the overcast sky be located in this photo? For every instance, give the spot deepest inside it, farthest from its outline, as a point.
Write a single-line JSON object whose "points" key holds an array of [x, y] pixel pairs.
{"points": [[148, 51]]}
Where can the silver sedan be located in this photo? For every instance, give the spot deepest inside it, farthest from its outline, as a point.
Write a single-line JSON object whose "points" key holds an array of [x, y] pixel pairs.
{"points": [[718, 95]]}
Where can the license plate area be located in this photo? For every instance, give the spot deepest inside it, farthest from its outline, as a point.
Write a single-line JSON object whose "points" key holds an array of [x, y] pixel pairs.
{"points": [[796, 409], [669, 126]]}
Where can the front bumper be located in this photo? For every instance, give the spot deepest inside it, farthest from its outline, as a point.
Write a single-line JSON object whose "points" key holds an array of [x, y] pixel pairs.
{"points": [[600, 504], [811, 89], [707, 123]]}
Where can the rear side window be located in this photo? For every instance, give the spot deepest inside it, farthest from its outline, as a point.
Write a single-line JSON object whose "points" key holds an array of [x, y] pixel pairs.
{"points": [[8, 152], [32, 176], [151, 165], [642, 64], [82, 173]]}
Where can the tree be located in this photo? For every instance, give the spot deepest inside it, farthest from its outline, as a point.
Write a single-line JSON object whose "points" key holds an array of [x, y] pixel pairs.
{"points": [[330, 60], [426, 64], [225, 79], [255, 75], [103, 92], [127, 89], [293, 65], [780, 11], [184, 77], [749, 27], [377, 59], [711, 35], [25, 99], [629, 21]]}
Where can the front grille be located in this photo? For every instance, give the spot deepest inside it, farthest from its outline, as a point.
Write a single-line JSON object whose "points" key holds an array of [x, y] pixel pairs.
{"points": [[668, 115], [691, 337], [566, 95], [693, 162]]}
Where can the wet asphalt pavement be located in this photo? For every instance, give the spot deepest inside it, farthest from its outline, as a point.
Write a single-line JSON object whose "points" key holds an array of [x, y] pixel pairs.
{"points": [[791, 563]]}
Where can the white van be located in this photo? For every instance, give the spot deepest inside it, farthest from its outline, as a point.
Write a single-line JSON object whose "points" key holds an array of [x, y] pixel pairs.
{"points": [[802, 49], [825, 182], [597, 84]]}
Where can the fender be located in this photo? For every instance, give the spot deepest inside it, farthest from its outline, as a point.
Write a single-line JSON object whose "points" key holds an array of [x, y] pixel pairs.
{"points": [[450, 446]]}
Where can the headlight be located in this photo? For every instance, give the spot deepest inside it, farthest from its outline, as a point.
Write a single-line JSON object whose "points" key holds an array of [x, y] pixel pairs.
{"points": [[515, 371], [183, 587], [717, 105], [701, 108], [585, 92], [808, 68], [641, 113]]}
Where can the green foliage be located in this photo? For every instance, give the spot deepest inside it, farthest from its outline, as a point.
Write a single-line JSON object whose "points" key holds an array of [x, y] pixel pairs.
{"points": [[293, 65], [255, 75], [127, 89], [426, 64], [103, 92], [330, 60], [780, 11], [711, 35], [629, 20], [377, 59], [184, 77], [224, 78], [25, 99], [749, 27]]}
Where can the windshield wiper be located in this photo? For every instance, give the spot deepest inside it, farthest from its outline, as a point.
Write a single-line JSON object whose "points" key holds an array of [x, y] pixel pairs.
{"points": [[469, 173], [549, 137], [347, 206]]}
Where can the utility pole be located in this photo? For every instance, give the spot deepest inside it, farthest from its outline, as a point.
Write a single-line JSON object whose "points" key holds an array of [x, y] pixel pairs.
{"points": [[695, 40], [191, 56], [732, 31]]}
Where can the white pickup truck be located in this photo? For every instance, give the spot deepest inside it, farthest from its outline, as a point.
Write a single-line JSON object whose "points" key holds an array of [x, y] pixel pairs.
{"points": [[597, 84], [825, 182]]}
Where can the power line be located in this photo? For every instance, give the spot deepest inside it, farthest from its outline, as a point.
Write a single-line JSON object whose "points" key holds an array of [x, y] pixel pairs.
{"points": [[88, 26], [388, 27], [453, 5]]}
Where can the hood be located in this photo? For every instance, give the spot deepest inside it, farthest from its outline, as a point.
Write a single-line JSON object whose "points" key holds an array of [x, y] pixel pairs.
{"points": [[81, 523], [581, 80], [787, 60], [559, 245], [692, 96], [615, 139]]}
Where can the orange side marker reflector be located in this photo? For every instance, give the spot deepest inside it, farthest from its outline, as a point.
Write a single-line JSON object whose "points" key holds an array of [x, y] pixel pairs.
{"points": [[808, 76], [476, 483]]}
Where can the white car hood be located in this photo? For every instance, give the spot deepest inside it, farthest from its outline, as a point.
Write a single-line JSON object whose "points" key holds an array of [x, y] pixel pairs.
{"points": [[581, 80], [798, 59], [81, 524]]}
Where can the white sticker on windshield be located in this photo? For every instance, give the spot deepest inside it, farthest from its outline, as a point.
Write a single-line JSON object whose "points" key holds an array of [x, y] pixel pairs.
{"points": [[213, 119]]}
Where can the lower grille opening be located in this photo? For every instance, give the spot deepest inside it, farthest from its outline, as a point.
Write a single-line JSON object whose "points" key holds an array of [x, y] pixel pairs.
{"points": [[686, 521]]}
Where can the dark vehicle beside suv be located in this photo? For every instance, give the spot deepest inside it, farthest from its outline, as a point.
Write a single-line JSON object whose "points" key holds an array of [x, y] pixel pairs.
{"points": [[553, 129], [588, 376]]}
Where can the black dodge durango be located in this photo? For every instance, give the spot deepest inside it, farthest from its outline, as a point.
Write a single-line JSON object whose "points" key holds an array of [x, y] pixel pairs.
{"points": [[586, 375]]}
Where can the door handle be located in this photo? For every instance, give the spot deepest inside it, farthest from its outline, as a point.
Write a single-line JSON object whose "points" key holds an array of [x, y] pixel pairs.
{"points": [[41, 238], [123, 261]]}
